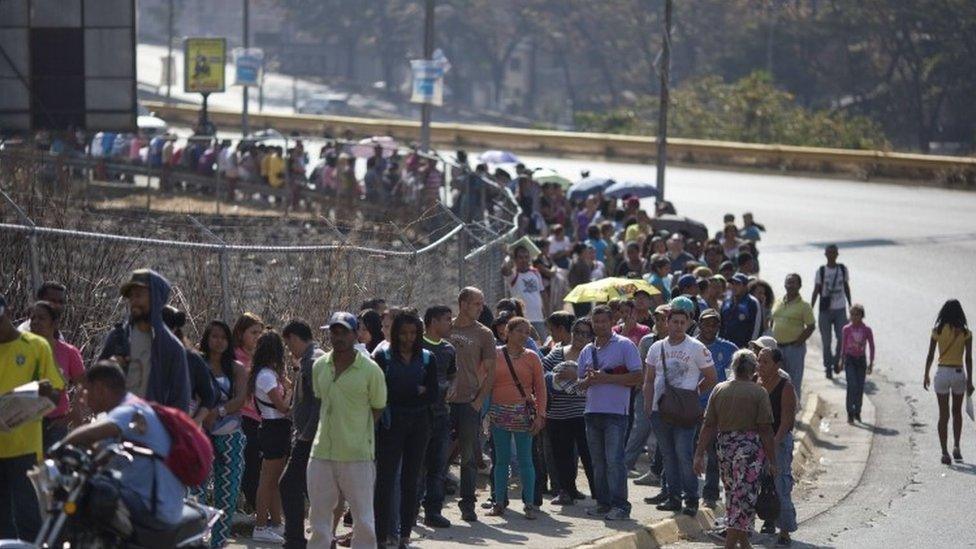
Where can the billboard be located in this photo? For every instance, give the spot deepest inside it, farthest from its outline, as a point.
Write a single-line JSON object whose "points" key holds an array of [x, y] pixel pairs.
{"points": [[67, 64], [203, 64]]}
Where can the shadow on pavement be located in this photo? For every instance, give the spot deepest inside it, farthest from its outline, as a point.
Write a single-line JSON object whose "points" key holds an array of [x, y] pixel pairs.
{"points": [[967, 468], [883, 431]]}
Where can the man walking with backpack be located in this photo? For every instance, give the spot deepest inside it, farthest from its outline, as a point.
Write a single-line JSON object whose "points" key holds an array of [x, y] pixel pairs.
{"points": [[832, 286]]}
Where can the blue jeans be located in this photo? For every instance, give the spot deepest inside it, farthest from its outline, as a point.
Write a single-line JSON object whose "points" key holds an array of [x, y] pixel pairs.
{"points": [[605, 437], [856, 369], [784, 485], [677, 445], [640, 433], [793, 357], [503, 458], [435, 464], [832, 320]]}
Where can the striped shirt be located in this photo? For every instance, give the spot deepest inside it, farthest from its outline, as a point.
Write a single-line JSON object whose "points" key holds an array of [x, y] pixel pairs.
{"points": [[562, 405]]}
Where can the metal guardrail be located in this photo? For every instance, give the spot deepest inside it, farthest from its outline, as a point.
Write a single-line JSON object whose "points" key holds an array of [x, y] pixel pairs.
{"points": [[582, 143]]}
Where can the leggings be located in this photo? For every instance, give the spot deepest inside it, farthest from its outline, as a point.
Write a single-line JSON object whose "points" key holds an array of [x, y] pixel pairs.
{"points": [[503, 459], [252, 462], [227, 470]]}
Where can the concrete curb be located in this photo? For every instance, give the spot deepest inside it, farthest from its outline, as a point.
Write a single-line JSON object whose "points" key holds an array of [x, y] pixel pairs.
{"points": [[680, 527]]}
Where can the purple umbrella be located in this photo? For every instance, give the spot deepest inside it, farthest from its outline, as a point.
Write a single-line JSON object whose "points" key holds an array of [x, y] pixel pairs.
{"points": [[498, 157]]}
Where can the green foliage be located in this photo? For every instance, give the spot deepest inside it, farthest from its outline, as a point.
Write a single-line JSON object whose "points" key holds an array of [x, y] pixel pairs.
{"points": [[750, 110]]}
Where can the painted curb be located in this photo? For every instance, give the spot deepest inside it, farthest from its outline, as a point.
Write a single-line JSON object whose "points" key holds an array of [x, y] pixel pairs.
{"points": [[680, 527]]}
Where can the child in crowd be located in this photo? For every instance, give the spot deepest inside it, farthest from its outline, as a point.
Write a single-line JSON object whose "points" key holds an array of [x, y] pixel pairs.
{"points": [[854, 361]]}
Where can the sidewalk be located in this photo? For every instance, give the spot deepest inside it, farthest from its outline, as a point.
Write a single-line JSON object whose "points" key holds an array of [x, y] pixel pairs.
{"points": [[824, 442]]}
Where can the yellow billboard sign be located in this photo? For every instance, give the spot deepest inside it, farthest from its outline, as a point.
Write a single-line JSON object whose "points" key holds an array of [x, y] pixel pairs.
{"points": [[203, 64]]}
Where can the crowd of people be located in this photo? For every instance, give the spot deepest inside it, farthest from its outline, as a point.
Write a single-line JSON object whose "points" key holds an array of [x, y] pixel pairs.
{"points": [[693, 362]]}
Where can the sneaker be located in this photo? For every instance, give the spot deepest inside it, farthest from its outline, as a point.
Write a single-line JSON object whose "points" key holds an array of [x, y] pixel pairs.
{"points": [[857, 417], [530, 512], [436, 520], [266, 535], [496, 511], [691, 508], [563, 499], [850, 419], [946, 460], [660, 498], [648, 479], [468, 515], [768, 527], [633, 473], [672, 506], [956, 454], [598, 511], [617, 514]]}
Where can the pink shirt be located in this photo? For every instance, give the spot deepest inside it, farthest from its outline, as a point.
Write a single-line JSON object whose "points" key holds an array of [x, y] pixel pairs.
{"points": [[635, 334], [69, 360], [855, 338], [248, 409]]}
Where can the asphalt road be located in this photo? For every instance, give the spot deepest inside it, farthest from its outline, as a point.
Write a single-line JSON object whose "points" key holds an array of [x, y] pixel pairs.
{"points": [[907, 249]]}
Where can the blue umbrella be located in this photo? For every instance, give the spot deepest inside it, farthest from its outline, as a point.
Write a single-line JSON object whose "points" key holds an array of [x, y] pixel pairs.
{"points": [[640, 189], [498, 157], [587, 186]]}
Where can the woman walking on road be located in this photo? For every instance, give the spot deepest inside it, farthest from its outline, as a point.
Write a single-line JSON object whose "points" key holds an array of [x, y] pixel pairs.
{"points": [[739, 413], [782, 399], [518, 403], [954, 340]]}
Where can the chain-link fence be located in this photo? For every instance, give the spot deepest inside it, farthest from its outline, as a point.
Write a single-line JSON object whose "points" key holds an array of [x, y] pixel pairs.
{"points": [[304, 265]]}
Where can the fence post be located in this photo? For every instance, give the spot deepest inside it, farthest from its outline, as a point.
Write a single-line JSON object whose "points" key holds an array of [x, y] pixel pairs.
{"points": [[222, 267], [33, 252]]}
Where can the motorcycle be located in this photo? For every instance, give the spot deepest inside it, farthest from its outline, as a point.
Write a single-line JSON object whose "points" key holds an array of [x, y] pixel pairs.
{"points": [[81, 506]]}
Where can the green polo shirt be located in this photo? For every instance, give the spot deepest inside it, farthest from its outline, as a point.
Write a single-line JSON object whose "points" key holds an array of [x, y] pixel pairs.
{"points": [[790, 318], [346, 428]]}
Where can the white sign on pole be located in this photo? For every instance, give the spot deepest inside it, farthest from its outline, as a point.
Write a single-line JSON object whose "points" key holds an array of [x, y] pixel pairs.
{"points": [[248, 65], [428, 79]]}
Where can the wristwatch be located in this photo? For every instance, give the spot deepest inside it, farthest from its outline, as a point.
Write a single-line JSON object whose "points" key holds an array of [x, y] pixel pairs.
{"points": [[221, 411]]}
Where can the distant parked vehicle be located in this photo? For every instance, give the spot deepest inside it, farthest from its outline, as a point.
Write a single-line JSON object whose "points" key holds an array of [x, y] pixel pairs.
{"points": [[332, 103], [149, 124]]}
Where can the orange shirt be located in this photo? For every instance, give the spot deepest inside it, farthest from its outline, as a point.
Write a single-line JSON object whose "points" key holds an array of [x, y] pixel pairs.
{"points": [[528, 368]]}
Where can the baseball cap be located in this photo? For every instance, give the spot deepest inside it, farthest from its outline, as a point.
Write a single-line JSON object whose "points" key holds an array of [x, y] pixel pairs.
{"points": [[709, 313], [726, 265], [687, 280], [138, 279], [740, 278], [342, 318], [764, 342], [662, 309], [682, 303]]}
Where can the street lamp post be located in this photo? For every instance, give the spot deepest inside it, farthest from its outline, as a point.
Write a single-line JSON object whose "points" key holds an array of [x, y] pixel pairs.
{"points": [[662, 119], [428, 54], [247, 43]]}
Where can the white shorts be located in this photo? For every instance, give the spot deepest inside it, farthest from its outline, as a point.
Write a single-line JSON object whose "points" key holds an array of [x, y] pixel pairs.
{"points": [[949, 379]]}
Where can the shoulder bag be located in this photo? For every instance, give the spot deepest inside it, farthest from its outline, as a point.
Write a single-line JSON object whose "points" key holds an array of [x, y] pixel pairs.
{"points": [[678, 407], [514, 417]]}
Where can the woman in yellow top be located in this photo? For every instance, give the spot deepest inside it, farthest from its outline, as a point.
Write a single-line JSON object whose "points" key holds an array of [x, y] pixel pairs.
{"points": [[954, 340]]}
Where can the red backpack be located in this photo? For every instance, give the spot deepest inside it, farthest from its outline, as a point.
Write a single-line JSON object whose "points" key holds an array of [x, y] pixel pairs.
{"points": [[191, 453]]}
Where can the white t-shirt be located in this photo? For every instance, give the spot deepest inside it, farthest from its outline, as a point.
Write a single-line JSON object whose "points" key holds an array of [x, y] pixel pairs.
{"points": [[264, 384], [527, 286], [686, 360], [556, 245], [833, 285]]}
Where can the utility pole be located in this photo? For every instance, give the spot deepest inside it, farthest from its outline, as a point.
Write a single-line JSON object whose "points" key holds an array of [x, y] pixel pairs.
{"points": [[428, 54], [169, 56], [662, 119], [247, 43]]}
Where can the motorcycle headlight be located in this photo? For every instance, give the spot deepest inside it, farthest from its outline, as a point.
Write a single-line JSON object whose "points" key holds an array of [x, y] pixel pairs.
{"points": [[45, 477]]}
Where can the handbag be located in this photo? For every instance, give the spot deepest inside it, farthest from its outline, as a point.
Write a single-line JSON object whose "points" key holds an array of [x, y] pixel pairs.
{"points": [[514, 417], [678, 407], [767, 504]]}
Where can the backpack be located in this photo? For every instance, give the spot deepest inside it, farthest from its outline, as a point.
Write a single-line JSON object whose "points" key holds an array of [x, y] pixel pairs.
{"points": [[191, 453]]}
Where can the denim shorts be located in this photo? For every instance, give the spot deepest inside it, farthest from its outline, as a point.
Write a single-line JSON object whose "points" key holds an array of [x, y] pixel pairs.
{"points": [[949, 379]]}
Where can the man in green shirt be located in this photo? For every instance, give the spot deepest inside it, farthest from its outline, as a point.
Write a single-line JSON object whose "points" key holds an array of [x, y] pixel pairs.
{"points": [[792, 325], [352, 389]]}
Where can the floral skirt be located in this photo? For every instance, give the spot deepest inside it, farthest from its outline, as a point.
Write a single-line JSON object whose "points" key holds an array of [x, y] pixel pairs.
{"points": [[741, 458]]}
